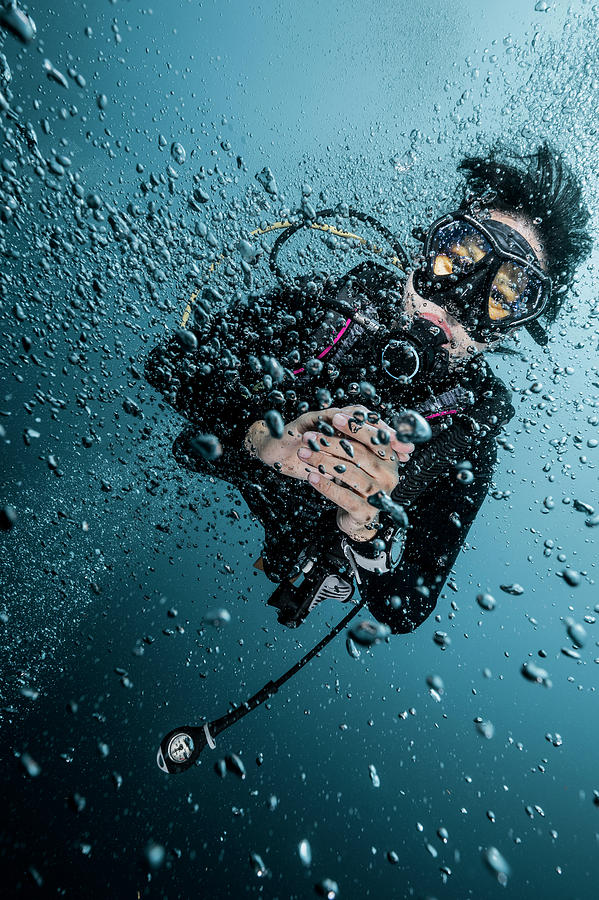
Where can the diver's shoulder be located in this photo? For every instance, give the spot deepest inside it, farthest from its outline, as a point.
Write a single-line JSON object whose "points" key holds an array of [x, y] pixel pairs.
{"points": [[492, 397], [481, 376]]}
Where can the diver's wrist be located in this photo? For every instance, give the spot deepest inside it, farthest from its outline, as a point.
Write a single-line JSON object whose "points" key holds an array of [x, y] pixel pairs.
{"points": [[382, 556], [362, 536], [356, 531]]}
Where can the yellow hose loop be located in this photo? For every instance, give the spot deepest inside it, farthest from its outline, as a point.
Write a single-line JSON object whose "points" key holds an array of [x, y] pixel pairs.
{"points": [[276, 226]]}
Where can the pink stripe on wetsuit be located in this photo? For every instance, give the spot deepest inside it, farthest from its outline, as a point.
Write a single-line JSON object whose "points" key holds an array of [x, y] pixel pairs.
{"points": [[446, 412], [339, 334]]}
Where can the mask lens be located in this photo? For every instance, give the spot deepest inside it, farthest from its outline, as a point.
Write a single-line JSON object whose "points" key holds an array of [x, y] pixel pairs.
{"points": [[515, 293], [456, 249]]}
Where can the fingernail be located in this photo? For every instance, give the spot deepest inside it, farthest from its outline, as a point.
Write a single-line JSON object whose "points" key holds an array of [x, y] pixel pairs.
{"points": [[339, 420], [309, 436], [304, 453], [314, 478]]}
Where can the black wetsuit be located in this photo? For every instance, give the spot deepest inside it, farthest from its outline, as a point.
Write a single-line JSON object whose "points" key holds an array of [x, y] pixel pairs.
{"points": [[221, 388]]}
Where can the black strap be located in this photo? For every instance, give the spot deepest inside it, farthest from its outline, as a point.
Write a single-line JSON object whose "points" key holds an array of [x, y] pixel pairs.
{"points": [[218, 725], [537, 332], [327, 214]]}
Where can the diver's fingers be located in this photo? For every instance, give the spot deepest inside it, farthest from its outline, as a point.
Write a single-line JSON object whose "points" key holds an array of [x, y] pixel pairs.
{"points": [[346, 451], [309, 421], [404, 451], [353, 421], [359, 470], [359, 509], [350, 475]]}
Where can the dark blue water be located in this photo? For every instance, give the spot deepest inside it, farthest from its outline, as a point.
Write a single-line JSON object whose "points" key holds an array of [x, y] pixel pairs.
{"points": [[116, 554]]}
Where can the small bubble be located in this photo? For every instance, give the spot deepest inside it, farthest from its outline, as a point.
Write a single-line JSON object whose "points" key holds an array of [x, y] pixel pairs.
{"points": [[155, 854], [327, 888], [376, 781], [257, 865], [486, 601], [486, 729], [305, 852], [30, 765], [497, 864], [178, 153]]}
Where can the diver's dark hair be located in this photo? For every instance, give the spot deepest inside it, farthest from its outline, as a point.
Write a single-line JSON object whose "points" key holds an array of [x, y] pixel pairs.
{"points": [[543, 188]]}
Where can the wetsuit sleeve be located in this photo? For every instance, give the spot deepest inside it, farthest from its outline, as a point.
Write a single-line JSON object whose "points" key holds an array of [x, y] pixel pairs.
{"points": [[477, 424], [202, 382], [440, 519], [440, 511]]}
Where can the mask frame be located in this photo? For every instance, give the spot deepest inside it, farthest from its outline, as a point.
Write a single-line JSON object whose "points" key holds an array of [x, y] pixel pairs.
{"points": [[471, 307]]}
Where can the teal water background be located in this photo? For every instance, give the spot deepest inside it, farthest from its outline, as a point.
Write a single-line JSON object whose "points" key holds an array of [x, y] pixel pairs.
{"points": [[372, 104]]}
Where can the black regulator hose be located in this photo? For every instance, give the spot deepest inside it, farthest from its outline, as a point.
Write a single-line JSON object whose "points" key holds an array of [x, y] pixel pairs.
{"points": [[327, 214], [181, 747]]}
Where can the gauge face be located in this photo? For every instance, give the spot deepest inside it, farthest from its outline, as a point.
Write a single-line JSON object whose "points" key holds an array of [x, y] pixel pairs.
{"points": [[400, 359], [180, 747], [396, 549]]}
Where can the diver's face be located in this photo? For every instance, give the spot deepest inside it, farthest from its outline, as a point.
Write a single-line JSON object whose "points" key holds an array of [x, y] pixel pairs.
{"points": [[459, 343]]}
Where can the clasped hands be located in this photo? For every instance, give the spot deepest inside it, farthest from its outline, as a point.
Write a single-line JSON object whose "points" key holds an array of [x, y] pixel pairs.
{"points": [[343, 454]]}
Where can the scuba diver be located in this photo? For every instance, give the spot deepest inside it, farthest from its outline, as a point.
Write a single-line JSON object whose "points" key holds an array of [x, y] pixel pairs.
{"points": [[357, 414]]}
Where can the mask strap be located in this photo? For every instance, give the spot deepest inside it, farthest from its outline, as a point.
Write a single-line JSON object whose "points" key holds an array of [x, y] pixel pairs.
{"points": [[537, 333]]}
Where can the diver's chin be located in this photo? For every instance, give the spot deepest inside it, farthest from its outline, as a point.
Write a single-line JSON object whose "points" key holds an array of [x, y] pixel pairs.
{"points": [[460, 354], [439, 322]]}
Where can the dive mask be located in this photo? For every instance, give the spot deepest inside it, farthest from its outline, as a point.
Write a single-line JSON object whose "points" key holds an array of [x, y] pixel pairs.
{"points": [[485, 274]]}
